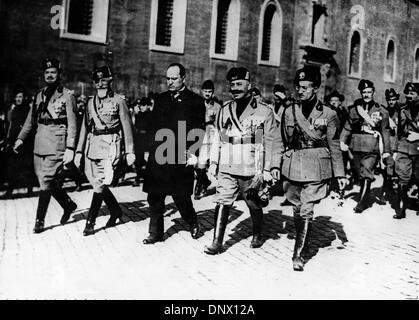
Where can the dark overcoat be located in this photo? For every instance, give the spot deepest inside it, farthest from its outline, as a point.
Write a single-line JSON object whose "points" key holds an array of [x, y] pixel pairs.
{"points": [[173, 118]]}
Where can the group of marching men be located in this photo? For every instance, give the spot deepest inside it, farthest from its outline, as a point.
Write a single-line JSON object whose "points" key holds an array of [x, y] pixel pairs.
{"points": [[247, 145]]}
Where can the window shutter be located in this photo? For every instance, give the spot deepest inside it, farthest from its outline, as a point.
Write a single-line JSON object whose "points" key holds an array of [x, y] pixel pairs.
{"points": [[80, 17], [355, 52], [222, 24], [267, 33], [164, 23]]}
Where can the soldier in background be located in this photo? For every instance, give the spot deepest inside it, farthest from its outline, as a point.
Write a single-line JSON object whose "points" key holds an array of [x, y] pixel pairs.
{"points": [[241, 151], [53, 116], [393, 108], [211, 110], [142, 126], [307, 154], [335, 101], [368, 130], [105, 140], [407, 147]]}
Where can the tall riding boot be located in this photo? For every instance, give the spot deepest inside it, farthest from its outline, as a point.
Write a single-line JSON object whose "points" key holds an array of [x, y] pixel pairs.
{"points": [[41, 212], [65, 202], [364, 196], [114, 208], [257, 221], [221, 219], [401, 202], [93, 213], [302, 228], [202, 183], [383, 194]]}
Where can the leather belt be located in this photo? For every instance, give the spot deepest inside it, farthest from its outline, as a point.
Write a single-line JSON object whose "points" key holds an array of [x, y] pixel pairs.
{"points": [[98, 132], [311, 144], [240, 140], [47, 122]]}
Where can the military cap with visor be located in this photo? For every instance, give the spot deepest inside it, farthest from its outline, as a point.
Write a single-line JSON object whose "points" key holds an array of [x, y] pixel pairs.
{"points": [[240, 73], [308, 73], [391, 93], [103, 72], [411, 86], [365, 84]]}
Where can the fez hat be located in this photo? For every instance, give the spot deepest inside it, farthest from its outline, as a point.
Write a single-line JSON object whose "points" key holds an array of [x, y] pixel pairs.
{"points": [[255, 91], [51, 63], [336, 94], [145, 101], [278, 88], [390, 93], [364, 84], [411, 86], [102, 73], [238, 74], [208, 84], [19, 89], [308, 73]]}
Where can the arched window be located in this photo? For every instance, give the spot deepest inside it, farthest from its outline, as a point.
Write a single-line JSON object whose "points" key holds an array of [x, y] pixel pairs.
{"points": [[270, 34], [390, 61], [416, 65], [225, 29], [167, 25], [355, 55]]}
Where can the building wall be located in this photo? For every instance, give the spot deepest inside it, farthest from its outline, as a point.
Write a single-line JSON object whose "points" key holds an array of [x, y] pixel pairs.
{"points": [[27, 37]]}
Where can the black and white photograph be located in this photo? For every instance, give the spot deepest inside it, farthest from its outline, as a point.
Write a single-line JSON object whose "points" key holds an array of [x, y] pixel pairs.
{"points": [[209, 150]]}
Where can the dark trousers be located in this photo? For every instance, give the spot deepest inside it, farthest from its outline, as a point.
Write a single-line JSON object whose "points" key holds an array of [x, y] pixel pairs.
{"points": [[364, 165], [156, 201]]}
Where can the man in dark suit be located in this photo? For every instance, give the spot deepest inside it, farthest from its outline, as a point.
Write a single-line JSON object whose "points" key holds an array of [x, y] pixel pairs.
{"points": [[178, 114]]}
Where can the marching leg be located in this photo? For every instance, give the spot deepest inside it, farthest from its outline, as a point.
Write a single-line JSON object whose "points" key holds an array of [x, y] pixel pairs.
{"points": [[65, 202], [220, 218], [401, 202], [257, 221], [114, 208], [93, 213], [364, 194], [41, 212], [303, 229]]}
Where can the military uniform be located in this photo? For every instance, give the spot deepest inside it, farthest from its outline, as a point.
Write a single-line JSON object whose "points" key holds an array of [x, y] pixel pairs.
{"points": [[308, 155], [242, 149], [106, 136], [407, 160], [369, 131], [53, 116]]}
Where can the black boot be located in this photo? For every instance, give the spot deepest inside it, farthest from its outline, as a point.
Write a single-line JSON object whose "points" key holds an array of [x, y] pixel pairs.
{"points": [[401, 202], [114, 208], [302, 228], [257, 221], [202, 183], [364, 195], [93, 213], [66, 203], [221, 219], [384, 193], [41, 212]]}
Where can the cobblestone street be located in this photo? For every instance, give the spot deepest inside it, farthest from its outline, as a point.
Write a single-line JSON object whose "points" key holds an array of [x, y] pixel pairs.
{"points": [[354, 256]]}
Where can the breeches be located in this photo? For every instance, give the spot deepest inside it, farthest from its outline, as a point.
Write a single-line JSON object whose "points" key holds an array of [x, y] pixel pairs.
{"points": [[304, 195], [406, 166], [99, 173], [46, 169], [228, 188], [364, 164]]}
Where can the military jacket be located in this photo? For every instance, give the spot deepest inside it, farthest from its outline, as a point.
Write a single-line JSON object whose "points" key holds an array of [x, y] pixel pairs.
{"points": [[243, 145], [107, 128], [363, 135], [393, 124], [56, 123], [317, 156], [407, 124]]}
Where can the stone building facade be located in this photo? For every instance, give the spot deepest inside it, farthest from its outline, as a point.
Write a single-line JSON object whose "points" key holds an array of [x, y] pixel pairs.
{"points": [[347, 39]]}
